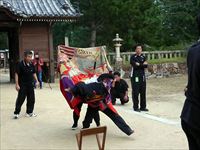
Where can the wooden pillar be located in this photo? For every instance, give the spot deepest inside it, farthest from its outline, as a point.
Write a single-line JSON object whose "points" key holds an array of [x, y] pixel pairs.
{"points": [[13, 51], [51, 56]]}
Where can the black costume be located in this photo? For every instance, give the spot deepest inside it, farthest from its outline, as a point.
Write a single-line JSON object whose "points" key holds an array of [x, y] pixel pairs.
{"points": [[119, 91], [86, 124], [138, 81], [98, 98], [190, 118], [26, 82], [91, 113]]}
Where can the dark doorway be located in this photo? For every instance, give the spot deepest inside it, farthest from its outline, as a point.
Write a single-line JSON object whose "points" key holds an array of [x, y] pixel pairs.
{"points": [[3, 50], [13, 48]]}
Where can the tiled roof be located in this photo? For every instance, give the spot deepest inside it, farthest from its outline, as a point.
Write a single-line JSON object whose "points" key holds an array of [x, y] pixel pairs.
{"points": [[40, 8]]}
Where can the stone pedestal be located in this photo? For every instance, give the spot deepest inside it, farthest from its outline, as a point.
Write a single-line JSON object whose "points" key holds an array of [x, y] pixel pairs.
{"points": [[118, 64], [118, 59]]}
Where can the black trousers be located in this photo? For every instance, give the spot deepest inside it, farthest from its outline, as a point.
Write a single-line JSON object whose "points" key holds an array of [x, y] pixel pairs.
{"points": [[116, 118], [193, 136], [91, 113], [76, 115], [23, 93], [117, 94], [138, 88]]}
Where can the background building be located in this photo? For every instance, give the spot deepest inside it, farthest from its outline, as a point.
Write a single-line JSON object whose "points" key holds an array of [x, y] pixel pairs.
{"points": [[28, 24]]}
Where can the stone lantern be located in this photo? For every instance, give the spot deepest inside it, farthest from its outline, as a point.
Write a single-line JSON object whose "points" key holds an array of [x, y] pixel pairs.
{"points": [[118, 60]]}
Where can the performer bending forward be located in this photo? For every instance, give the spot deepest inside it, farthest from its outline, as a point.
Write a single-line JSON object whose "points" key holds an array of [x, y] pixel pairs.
{"points": [[97, 96]]}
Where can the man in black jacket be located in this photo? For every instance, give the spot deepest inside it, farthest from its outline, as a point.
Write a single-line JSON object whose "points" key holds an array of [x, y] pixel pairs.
{"points": [[190, 118], [138, 79], [24, 79]]}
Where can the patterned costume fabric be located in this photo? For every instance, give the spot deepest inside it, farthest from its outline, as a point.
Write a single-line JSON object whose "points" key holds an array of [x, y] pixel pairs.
{"points": [[82, 80]]}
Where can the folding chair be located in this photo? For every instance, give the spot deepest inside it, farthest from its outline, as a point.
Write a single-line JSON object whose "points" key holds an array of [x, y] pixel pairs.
{"points": [[92, 131]]}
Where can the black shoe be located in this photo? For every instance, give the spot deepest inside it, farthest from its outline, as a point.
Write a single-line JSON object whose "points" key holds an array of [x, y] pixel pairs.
{"points": [[131, 132], [136, 109], [16, 116], [84, 127], [98, 124], [74, 127], [144, 109]]}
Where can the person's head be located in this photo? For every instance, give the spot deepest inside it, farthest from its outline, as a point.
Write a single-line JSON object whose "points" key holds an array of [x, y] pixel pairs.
{"points": [[37, 55], [106, 79], [138, 49], [117, 75], [28, 56], [198, 23]]}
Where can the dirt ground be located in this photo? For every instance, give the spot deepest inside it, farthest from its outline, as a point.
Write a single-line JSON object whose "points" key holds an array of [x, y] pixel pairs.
{"points": [[159, 129]]}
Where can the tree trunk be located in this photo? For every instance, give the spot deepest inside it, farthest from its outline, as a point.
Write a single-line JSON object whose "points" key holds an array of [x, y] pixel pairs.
{"points": [[93, 35]]}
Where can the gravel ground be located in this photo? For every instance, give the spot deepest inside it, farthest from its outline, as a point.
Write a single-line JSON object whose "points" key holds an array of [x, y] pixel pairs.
{"points": [[159, 129]]}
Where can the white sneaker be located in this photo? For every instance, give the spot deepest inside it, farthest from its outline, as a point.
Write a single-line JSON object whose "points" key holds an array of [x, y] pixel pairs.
{"points": [[30, 115], [15, 116]]}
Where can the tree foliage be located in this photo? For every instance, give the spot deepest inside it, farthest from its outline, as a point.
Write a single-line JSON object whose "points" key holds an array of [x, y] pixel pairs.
{"points": [[178, 23], [159, 24]]}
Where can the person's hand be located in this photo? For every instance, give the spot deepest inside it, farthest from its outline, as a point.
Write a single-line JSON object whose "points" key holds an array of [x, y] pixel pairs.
{"points": [[114, 80], [67, 89], [17, 87], [185, 89], [137, 64], [145, 63], [126, 97], [37, 83]]}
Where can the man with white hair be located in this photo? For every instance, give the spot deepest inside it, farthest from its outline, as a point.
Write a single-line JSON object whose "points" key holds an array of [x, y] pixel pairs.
{"points": [[24, 78]]}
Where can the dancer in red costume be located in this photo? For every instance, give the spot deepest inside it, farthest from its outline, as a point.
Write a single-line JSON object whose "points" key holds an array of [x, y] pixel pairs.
{"points": [[68, 70], [97, 96]]}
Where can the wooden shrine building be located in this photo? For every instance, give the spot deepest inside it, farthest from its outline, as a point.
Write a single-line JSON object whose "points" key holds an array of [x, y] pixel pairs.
{"points": [[28, 24]]}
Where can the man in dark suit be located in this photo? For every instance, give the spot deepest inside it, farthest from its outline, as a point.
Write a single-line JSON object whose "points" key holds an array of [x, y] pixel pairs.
{"points": [[138, 79], [190, 117]]}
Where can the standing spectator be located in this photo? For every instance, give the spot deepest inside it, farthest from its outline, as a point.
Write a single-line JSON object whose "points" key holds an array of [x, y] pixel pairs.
{"points": [[191, 110], [138, 79], [119, 89], [45, 71], [24, 78], [38, 63]]}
